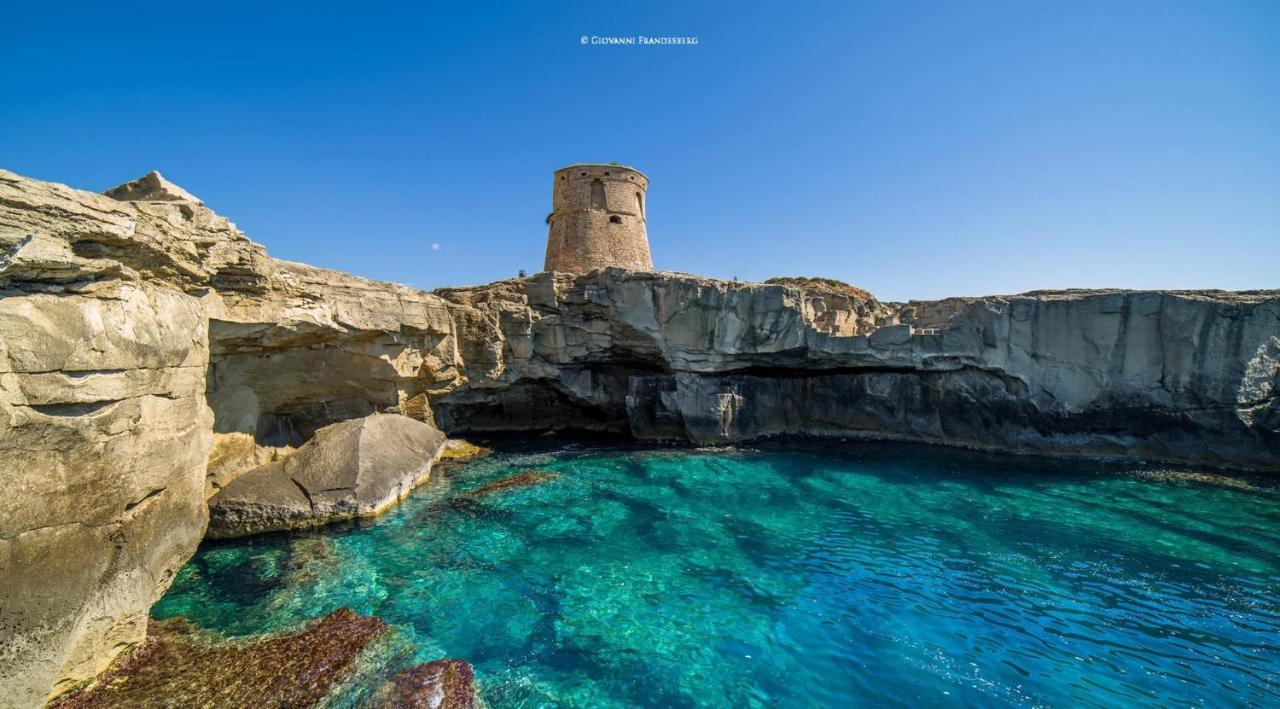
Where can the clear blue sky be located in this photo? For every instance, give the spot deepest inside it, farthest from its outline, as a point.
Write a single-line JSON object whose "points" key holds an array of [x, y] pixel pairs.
{"points": [[918, 149]]}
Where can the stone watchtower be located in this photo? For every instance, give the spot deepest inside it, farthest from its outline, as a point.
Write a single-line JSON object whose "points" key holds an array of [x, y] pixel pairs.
{"points": [[598, 220]]}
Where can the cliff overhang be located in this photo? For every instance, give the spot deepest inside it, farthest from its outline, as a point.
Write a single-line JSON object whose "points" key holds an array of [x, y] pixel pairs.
{"points": [[150, 353]]}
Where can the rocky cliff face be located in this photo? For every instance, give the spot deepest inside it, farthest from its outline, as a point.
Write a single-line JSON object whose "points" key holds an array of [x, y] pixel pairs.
{"points": [[145, 344], [316, 347], [104, 431], [1179, 376], [150, 353]]}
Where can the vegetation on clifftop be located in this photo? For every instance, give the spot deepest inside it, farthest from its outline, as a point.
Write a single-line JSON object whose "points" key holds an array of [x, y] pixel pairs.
{"points": [[827, 284]]}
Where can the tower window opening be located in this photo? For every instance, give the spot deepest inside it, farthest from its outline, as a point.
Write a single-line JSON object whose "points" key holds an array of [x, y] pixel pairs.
{"points": [[615, 219], [598, 198]]}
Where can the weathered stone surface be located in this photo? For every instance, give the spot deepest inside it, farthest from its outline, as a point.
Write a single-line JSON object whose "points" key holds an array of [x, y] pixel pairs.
{"points": [[179, 667], [597, 219], [179, 244], [103, 440], [104, 430], [458, 450], [350, 469], [151, 187], [103, 425], [317, 347], [133, 329], [109, 310], [1185, 376], [442, 684], [234, 453]]}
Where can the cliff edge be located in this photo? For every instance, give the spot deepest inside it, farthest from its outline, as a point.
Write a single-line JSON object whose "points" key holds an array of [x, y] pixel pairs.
{"points": [[150, 354]]}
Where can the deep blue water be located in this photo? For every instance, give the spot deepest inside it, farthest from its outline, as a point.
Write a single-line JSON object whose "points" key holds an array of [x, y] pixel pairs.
{"points": [[795, 576]]}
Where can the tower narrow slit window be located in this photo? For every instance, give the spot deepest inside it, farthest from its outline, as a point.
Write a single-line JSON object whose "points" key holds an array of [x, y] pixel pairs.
{"points": [[597, 195]]}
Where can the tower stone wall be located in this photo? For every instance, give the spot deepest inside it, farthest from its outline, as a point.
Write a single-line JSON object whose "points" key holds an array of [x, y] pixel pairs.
{"points": [[598, 219]]}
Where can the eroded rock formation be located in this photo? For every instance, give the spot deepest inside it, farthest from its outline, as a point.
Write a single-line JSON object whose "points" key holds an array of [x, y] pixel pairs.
{"points": [[112, 391], [104, 431], [349, 469], [1177, 376], [150, 354]]}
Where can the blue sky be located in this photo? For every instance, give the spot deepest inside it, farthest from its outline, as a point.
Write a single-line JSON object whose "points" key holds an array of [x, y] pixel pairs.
{"points": [[917, 149]]}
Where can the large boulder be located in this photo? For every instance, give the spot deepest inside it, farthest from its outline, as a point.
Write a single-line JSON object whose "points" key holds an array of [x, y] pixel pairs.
{"points": [[354, 468]]}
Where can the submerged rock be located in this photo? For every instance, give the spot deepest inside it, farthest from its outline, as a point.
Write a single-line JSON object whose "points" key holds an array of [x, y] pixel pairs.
{"points": [[1201, 477], [350, 469], [125, 319], [458, 450], [442, 684], [177, 667], [524, 478]]}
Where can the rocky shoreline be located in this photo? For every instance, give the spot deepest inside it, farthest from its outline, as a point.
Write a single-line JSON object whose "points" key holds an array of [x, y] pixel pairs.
{"points": [[179, 666], [151, 355]]}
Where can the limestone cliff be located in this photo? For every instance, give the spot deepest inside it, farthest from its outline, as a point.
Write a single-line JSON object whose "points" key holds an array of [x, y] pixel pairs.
{"points": [[104, 431], [140, 339], [1177, 376], [316, 347], [150, 353]]}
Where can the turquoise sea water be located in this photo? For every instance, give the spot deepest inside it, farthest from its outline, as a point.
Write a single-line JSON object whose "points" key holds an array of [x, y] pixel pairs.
{"points": [[845, 575]]}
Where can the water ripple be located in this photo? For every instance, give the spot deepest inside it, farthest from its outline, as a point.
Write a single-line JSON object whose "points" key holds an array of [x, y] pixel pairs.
{"points": [[867, 576]]}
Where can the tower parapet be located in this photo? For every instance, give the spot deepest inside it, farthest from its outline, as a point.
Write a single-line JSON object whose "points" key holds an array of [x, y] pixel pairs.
{"points": [[598, 219]]}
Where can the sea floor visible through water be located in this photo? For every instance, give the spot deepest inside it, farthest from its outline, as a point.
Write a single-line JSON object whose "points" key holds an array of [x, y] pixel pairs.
{"points": [[791, 574]]}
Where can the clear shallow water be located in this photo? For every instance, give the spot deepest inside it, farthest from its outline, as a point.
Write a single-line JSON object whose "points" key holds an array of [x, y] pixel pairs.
{"points": [[861, 575]]}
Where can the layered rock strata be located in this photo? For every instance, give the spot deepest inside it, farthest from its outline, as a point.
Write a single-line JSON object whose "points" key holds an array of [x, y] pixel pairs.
{"points": [[133, 335], [1182, 376], [104, 431], [150, 354]]}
